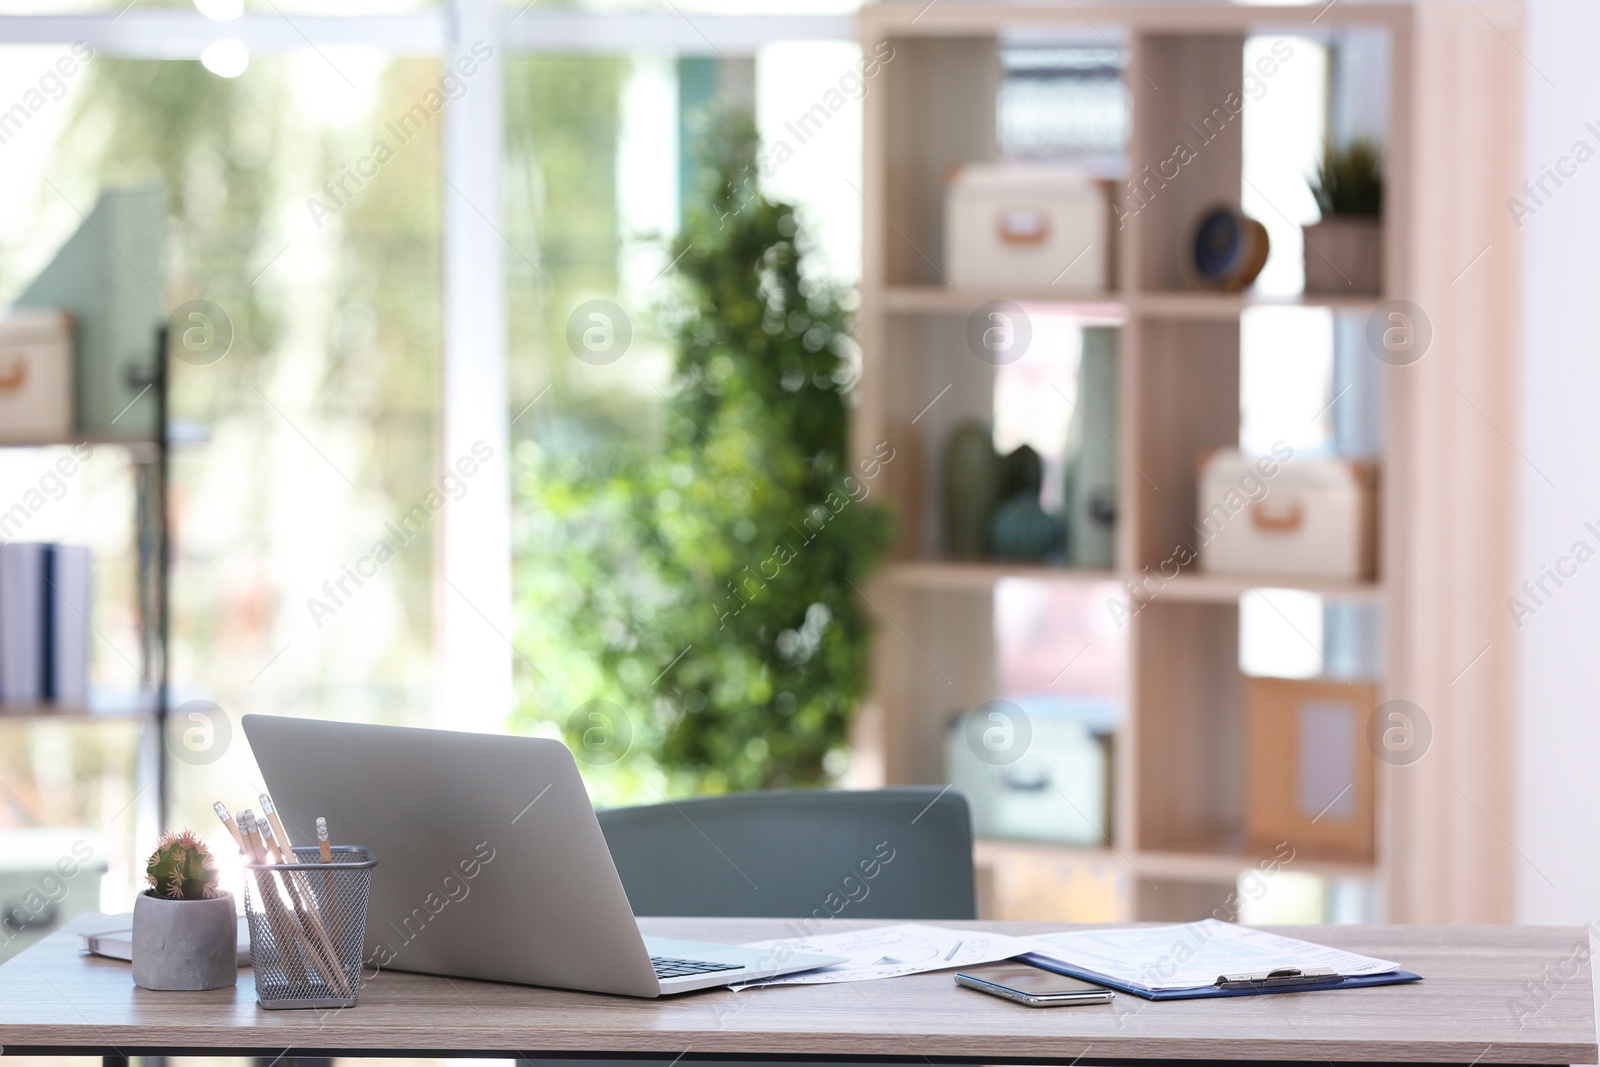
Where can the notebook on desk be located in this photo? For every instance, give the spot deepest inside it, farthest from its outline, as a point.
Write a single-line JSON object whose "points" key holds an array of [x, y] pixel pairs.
{"points": [[1209, 958], [117, 943]]}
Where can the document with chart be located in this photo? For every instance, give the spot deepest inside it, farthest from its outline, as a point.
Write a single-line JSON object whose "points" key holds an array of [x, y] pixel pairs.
{"points": [[889, 951]]}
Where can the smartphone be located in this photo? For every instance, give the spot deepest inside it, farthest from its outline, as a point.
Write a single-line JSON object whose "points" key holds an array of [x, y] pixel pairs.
{"points": [[1033, 986]]}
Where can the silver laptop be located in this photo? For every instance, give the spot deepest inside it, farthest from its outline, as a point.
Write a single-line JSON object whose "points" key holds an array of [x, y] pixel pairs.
{"points": [[491, 863]]}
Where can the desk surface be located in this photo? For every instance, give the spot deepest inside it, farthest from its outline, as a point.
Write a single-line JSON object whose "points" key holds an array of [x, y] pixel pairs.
{"points": [[1474, 1006]]}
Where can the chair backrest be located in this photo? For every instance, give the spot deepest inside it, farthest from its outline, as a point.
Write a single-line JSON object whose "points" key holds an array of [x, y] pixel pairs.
{"points": [[903, 853]]}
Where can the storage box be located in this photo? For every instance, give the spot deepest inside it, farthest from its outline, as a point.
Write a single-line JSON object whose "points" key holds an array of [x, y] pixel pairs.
{"points": [[1050, 781], [1305, 518], [1027, 224], [1308, 769], [109, 274], [35, 376]]}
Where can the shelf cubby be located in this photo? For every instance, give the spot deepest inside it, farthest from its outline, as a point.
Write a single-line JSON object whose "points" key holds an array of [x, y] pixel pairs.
{"points": [[940, 99], [1181, 400], [1181, 85], [938, 647], [1188, 746]]}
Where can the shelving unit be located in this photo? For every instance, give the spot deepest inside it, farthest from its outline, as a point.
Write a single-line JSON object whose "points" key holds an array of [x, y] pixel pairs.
{"points": [[1448, 481], [150, 705]]}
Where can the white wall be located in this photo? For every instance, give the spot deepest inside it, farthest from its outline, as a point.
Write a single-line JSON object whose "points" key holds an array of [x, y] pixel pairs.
{"points": [[1558, 812]]}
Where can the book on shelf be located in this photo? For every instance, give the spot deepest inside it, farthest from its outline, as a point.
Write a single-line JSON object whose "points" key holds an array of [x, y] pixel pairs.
{"points": [[45, 592], [67, 613]]}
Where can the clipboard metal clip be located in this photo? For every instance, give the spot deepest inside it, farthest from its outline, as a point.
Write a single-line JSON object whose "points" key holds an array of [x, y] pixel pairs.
{"points": [[1281, 978]]}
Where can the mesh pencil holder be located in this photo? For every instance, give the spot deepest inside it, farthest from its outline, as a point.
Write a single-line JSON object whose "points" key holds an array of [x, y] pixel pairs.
{"points": [[306, 925]]}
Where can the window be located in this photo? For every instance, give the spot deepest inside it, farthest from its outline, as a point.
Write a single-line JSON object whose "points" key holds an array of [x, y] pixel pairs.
{"points": [[310, 203]]}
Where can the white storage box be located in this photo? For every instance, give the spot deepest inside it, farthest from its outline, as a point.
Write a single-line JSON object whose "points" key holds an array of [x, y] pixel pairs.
{"points": [[1054, 785], [1304, 518], [1026, 224], [35, 376]]}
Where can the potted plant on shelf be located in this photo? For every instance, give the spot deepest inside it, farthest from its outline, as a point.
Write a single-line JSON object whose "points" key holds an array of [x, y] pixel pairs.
{"points": [[184, 930], [1344, 252]]}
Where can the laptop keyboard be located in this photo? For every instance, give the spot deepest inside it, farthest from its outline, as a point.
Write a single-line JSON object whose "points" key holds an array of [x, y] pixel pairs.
{"points": [[667, 967]]}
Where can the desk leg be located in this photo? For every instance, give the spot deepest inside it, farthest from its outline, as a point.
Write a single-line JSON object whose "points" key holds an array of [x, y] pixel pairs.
{"points": [[113, 1061]]}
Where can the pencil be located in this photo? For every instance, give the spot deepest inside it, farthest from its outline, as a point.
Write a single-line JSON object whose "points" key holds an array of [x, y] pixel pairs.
{"points": [[227, 820], [285, 845], [325, 847], [305, 910], [270, 840], [283, 928], [254, 846]]}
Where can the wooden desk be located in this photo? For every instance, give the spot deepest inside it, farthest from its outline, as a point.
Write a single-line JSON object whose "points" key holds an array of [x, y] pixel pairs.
{"points": [[55, 1001]]}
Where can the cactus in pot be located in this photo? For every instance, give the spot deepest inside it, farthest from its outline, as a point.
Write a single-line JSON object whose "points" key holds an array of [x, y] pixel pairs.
{"points": [[185, 932], [1344, 252], [182, 868]]}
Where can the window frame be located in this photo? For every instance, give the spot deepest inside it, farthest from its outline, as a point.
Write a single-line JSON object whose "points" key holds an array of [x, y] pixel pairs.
{"points": [[475, 647]]}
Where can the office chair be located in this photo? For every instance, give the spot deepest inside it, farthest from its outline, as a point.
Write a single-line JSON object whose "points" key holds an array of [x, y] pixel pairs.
{"points": [[795, 854], [903, 853]]}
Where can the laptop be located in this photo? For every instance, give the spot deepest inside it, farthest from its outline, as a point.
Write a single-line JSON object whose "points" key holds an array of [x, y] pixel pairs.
{"points": [[491, 863]]}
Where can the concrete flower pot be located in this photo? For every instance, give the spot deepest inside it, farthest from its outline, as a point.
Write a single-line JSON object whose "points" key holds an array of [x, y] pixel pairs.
{"points": [[184, 944], [1344, 256]]}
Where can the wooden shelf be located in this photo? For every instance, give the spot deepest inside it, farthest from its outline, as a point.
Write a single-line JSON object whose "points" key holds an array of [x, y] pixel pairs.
{"points": [[138, 448], [1228, 588], [45, 713], [987, 850], [1189, 587], [1223, 864], [953, 574], [180, 434], [948, 300], [914, 18], [1201, 305], [119, 708], [1111, 307]]}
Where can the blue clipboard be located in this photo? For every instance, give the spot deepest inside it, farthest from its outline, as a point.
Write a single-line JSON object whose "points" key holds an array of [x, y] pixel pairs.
{"points": [[1238, 986]]}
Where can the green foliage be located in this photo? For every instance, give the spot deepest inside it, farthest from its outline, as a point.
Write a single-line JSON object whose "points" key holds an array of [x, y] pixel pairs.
{"points": [[706, 584], [563, 125], [1350, 179], [182, 868]]}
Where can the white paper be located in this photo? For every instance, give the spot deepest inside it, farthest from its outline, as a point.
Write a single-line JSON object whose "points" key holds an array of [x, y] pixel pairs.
{"points": [[889, 951], [1193, 955]]}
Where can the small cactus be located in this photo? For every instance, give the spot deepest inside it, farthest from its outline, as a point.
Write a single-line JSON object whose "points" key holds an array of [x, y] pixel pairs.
{"points": [[182, 868]]}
